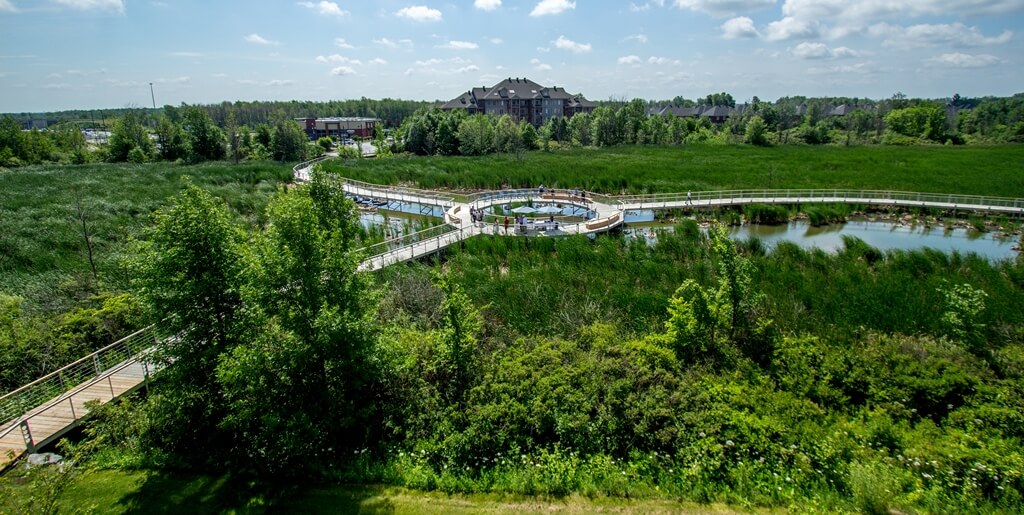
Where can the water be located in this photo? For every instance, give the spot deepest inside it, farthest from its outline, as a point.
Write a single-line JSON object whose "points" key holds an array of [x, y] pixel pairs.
{"points": [[881, 235]]}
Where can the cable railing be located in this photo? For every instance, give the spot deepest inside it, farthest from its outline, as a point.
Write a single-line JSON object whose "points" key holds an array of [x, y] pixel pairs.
{"points": [[404, 194], [24, 400], [838, 195], [403, 241]]}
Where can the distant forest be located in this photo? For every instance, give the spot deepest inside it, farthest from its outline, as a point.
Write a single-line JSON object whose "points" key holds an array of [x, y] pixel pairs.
{"points": [[257, 131]]}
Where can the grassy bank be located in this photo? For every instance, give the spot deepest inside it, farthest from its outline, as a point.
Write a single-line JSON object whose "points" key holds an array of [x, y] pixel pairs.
{"points": [[997, 170]]}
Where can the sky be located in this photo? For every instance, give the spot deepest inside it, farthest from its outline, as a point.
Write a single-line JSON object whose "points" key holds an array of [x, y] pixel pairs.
{"points": [[93, 54]]}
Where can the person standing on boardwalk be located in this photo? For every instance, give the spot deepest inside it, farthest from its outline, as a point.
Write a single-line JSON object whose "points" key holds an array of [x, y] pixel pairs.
{"points": [[689, 199], [506, 225]]}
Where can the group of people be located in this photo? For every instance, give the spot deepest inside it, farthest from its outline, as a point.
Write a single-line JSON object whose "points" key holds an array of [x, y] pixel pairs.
{"points": [[476, 215]]}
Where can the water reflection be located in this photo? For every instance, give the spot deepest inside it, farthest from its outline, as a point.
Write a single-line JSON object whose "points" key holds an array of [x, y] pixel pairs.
{"points": [[881, 235]]}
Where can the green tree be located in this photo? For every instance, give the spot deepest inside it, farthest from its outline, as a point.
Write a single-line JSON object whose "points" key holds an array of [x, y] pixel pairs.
{"points": [[756, 133], [302, 385], [189, 273], [205, 140], [289, 141], [128, 133], [461, 322], [171, 139], [476, 135], [964, 305]]}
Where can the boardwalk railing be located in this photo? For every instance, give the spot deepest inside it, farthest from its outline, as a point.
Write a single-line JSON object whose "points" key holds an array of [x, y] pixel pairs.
{"points": [[404, 241], [18, 402], [439, 198], [840, 195]]}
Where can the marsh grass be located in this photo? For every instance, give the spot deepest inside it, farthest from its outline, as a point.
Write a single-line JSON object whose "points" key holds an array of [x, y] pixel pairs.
{"points": [[992, 171], [42, 249]]}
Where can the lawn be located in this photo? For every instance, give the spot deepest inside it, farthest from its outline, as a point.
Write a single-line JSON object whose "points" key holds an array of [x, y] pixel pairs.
{"points": [[996, 170], [115, 492]]}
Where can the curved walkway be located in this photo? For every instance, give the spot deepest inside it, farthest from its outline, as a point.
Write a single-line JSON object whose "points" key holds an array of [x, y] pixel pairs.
{"points": [[609, 211]]}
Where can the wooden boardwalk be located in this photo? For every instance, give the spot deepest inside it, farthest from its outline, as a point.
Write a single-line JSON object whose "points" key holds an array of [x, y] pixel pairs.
{"points": [[57, 414]]}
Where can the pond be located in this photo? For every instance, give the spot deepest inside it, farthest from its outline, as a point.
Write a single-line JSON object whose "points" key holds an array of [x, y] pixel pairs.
{"points": [[881, 235]]}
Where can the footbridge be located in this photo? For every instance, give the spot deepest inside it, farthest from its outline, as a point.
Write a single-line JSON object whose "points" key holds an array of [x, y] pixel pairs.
{"points": [[44, 410]]}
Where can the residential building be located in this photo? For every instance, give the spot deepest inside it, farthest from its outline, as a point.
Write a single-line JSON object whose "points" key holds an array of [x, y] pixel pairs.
{"points": [[522, 99], [339, 128]]}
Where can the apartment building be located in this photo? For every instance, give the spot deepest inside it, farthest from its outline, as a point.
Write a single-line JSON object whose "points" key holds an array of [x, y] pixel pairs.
{"points": [[522, 99]]}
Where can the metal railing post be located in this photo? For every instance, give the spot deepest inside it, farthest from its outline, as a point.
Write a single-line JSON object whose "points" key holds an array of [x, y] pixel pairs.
{"points": [[26, 434]]}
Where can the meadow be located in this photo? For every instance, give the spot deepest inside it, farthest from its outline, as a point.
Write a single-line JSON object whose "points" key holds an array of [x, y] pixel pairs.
{"points": [[996, 170], [43, 253]]}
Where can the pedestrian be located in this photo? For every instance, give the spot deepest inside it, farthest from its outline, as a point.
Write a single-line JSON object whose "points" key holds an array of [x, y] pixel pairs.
{"points": [[506, 225], [689, 199], [495, 225]]}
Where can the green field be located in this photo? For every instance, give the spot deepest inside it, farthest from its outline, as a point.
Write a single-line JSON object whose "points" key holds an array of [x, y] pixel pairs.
{"points": [[997, 170]]}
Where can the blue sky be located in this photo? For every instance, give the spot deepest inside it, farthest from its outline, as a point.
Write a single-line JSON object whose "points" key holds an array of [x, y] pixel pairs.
{"points": [[65, 54]]}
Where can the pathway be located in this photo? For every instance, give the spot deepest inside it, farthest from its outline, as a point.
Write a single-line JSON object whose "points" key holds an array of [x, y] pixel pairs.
{"points": [[102, 376]]}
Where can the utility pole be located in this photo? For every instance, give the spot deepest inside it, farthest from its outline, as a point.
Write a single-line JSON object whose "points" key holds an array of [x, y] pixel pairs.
{"points": [[151, 95]]}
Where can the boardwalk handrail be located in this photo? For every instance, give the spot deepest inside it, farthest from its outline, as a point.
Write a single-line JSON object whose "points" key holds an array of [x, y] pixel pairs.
{"points": [[442, 198], [18, 402], [403, 241], [868, 196]]}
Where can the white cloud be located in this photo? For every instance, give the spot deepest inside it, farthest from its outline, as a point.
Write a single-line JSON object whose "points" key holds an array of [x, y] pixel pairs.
{"points": [[790, 28], [487, 5], [259, 40], [401, 43], [723, 7], [185, 54], [924, 35], [325, 8], [341, 43], [815, 50], [629, 59], [960, 60], [343, 70], [567, 44], [7, 6], [662, 61], [459, 45], [808, 50], [645, 6], [176, 80], [436, 66], [86, 5], [546, 7], [336, 58], [738, 28], [377, 60], [420, 13], [539, 66], [639, 38], [543, 49], [496, 41], [838, 18], [281, 82]]}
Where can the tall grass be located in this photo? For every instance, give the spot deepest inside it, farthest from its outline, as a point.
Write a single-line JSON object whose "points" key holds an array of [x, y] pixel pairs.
{"points": [[42, 249], [993, 171]]}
